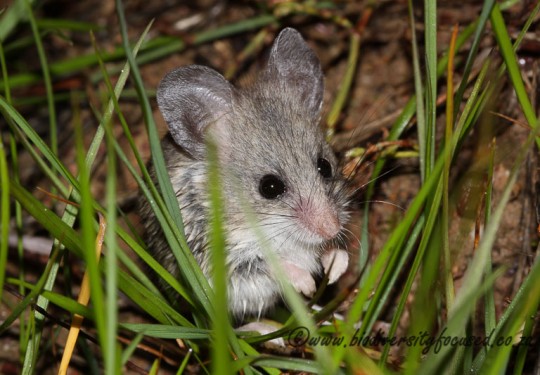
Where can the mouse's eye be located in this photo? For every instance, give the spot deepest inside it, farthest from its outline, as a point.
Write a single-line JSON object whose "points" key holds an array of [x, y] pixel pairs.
{"points": [[271, 186], [324, 168]]}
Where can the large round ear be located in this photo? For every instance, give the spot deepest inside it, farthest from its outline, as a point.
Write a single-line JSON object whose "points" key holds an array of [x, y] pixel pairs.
{"points": [[190, 99], [297, 67]]}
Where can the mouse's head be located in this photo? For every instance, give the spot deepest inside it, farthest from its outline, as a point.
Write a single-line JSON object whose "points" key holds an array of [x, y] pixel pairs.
{"points": [[269, 142]]}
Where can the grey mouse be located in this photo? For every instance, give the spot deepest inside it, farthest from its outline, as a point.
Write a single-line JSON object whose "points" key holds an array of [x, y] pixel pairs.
{"points": [[272, 155]]}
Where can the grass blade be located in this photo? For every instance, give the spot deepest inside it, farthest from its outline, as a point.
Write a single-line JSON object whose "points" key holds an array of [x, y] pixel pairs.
{"points": [[430, 14], [12, 16], [183, 255], [4, 216], [46, 78], [510, 59], [220, 317]]}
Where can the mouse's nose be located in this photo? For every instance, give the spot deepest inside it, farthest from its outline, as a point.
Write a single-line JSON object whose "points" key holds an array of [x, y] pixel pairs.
{"points": [[326, 224], [320, 218]]}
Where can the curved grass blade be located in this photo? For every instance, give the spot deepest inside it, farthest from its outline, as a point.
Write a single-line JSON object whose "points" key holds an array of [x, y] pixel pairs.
{"points": [[510, 59], [4, 216], [430, 22], [70, 213], [293, 364], [221, 326], [183, 255], [480, 27], [155, 306], [346, 83], [11, 18], [46, 78], [28, 299], [165, 331], [48, 219], [60, 300]]}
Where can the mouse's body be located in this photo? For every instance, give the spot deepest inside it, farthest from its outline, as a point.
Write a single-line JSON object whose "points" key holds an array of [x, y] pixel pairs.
{"points": [[272, 156]]}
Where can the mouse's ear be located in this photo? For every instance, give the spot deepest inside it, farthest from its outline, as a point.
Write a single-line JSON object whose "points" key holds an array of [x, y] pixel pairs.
{"points": [[190, 99], [293, 63]]}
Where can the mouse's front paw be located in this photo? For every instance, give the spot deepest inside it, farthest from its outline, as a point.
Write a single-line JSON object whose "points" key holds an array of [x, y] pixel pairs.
{"points": [[301, 280], [335, 262]]}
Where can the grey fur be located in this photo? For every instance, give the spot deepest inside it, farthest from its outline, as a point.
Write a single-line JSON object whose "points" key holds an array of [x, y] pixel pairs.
{"points": [[270, 128]]}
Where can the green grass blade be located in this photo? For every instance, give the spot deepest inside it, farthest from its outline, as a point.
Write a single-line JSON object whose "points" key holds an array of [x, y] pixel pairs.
{"points": [[60, 300], [490, 319], [25, 129], [11, 17], [283, 363], [155, 306], [28, 299], [48, 219], [422, 259], [183, 255], [235, 28], [4, 216], [46, 79], [5, 77], [66, 24], [88, 235], [510, 59], [220, 318], [161, 216], [440, 355], [445, 214], [162, 46], [113, 103], [480, 28], [472, 278], [386, 289], [136, 247], [529, 323], [526, 300], [111, 287], [524, 294], [157, 154], [397, 129], [419, 93], [184, 364], [392, 246], [130, 349], [430, 21], [68, 217], [346, 83], [165, 331]]}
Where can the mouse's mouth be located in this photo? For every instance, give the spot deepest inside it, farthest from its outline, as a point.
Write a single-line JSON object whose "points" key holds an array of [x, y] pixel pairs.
{"points": [[299, 236], [316, 239]]}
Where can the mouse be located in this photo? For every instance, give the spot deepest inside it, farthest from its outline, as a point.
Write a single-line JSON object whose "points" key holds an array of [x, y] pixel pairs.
{"points": [[272, 155]]}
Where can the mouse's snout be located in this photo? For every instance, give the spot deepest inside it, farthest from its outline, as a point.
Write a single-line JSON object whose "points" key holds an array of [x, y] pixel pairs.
{"points": [[327, 226], [319, 218]]}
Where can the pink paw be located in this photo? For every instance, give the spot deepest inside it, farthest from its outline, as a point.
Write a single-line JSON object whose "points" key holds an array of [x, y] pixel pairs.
{"points": [[335, 262], [301, 280]]}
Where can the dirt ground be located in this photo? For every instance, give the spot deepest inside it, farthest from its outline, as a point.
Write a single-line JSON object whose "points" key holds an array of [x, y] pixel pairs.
{"points": [[383, 86]]}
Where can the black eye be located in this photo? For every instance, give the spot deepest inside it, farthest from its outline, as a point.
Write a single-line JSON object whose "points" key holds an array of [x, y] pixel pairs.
{"points": [[324, 168], [271, 186]]}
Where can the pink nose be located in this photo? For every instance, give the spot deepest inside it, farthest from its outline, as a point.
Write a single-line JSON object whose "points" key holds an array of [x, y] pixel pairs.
{"points": [[326, 225], [321, 219]]}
